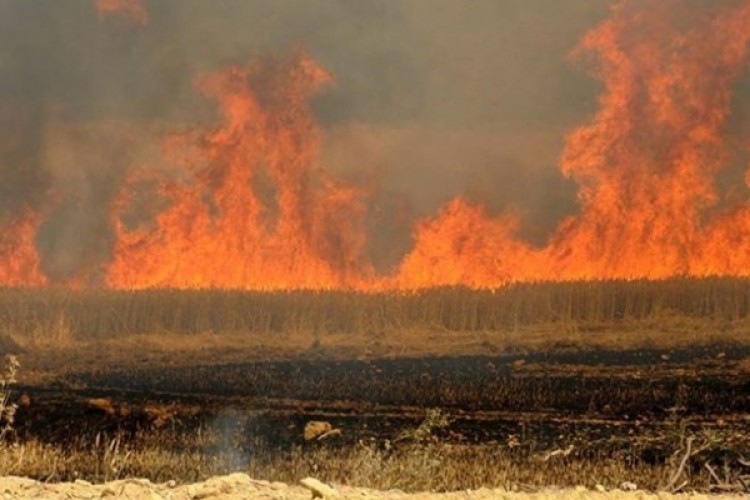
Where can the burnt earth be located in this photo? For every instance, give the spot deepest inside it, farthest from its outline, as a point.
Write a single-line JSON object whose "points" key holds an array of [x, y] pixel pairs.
{"points": [[590, 399]]}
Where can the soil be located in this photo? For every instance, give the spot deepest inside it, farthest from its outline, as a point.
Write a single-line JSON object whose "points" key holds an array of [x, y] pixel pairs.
{"points": [[240, 486]]}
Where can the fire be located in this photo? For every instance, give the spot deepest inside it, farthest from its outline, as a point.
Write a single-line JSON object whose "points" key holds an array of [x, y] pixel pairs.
{"points": [[245, 203], [255, 209], [131, 9], [645, 165], [463, 246], [19, 260]]}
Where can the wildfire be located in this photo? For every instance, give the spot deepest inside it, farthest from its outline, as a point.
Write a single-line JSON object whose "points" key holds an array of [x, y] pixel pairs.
{"points": [[246, 203], [645, 165], [256, 210], [19, 261], [463, 246]]}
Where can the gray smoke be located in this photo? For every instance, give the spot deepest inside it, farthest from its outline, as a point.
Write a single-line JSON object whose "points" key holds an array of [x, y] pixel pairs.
{"points": [[433, 98]]}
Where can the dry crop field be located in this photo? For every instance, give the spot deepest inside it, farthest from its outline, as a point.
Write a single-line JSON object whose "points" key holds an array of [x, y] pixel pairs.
{"points": [[527, 386]]}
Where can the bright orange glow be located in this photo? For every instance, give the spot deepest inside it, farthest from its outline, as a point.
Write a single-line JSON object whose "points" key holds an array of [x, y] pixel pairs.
{"points": [[245, 203], [463, 246], [645, 165], [257, 210], [19, 261]]}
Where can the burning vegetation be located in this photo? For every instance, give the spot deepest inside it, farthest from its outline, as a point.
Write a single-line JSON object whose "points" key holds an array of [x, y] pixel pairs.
{"points": [[245, 202]]}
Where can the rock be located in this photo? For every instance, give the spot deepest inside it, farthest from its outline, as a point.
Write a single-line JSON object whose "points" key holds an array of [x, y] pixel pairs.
{"points": [[518, 363], [239, 478], [220, 485], [329, 434], [138, 491], [102, 404], [599, 487], [319, 490], [628, 486], [317, 429], [24, 401], [152, 495], [108, 491], [202, 490]]}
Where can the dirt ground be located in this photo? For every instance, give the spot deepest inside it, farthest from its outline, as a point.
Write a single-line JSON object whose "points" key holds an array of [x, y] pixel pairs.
{"points": [[239, 486]]}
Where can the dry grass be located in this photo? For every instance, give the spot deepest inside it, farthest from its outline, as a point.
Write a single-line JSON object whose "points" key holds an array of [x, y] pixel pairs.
{"points": [[522, 316], [426, 465], [444, 467], [56, 315], [105, 461]]}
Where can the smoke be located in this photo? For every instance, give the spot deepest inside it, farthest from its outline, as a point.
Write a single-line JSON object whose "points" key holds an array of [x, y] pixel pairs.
{"points": [[438, 110], [228, 430], [130, 9], [473, 99]]}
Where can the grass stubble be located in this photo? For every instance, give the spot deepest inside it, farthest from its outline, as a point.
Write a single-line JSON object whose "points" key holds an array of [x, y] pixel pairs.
{"points": [[417, 462]]}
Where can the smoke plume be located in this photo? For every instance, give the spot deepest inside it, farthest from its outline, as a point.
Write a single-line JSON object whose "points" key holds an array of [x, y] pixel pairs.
{"points": [[371, 145]]}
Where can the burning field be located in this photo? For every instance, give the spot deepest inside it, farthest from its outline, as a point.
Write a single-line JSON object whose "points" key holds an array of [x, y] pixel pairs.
{"points": [[487, 246], [241, 198]]}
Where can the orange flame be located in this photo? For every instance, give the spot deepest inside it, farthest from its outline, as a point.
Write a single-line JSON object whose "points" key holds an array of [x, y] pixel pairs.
{"points": [[256, 211], [462, 246], [645, 165], [19, 261], [245, 204], [131, 9]]}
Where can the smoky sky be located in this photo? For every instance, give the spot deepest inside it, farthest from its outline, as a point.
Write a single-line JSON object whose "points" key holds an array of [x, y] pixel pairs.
{"points": [[445, 62], [433, 98]]}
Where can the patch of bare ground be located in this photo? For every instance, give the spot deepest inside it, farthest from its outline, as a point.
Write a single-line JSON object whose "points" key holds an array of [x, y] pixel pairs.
{"points": [[241, 486]]}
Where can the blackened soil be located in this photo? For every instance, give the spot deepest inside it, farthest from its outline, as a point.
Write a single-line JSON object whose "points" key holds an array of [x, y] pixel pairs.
{"points": [[612, 384], [552, 400]]}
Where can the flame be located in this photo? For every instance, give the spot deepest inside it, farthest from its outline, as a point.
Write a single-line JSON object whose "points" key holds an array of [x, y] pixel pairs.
{"points": [[256, 210], [645, 165], [19, 260], [130, 9], [245, 203], [463, 246]]}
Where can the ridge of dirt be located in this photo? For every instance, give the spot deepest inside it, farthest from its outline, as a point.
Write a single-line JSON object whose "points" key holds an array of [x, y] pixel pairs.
{"points": [[241, 486]]}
